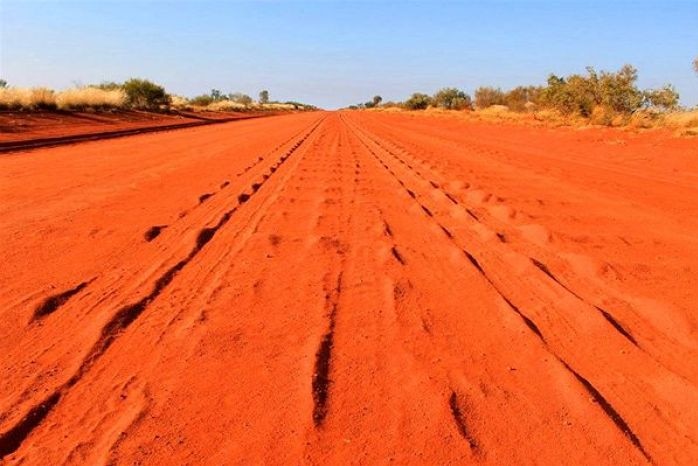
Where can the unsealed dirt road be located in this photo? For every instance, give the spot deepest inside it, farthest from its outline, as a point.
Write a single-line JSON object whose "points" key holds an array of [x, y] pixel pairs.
{"points": [[351, 288]]}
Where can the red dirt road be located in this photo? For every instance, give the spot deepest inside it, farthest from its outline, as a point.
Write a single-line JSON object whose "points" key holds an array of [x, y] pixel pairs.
{"points": [[30, 126], [351, 288]]}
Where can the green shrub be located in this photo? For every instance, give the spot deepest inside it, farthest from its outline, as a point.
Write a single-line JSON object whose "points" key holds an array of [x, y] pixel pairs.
{"points": [[451, 98], [201, 100], [665, 98], [521, 98], [488, 96], [240, 98], [144, 94], [618, 91], [418, 101], [578, 94], [567, 95]]}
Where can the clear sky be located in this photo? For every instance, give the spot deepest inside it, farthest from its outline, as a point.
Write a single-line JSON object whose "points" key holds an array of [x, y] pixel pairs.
{"points": [[334, 53]]}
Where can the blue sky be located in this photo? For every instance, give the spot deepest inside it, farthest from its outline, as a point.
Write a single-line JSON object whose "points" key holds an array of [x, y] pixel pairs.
{"points": [[336, 53]]}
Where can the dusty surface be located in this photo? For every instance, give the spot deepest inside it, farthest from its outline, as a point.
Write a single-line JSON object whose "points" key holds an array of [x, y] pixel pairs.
{"points": [[22, 126], [329, 288]]}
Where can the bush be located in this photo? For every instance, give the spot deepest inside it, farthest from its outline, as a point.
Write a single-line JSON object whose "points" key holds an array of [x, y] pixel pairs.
{"points": [[144, 94], [451, 98], [241, 98], [522, 98], [201, 100], [418, 101], [488, 96], [578, 94], [568, 95], [618, 91], [665, 98]]}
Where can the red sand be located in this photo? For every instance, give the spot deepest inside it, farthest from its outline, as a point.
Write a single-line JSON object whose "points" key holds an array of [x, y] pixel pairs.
{"points": [[365, 288]]}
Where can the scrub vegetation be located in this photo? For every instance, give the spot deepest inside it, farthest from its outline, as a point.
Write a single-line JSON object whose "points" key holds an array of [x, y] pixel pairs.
{"points": [[133, 94], [610, 98]]}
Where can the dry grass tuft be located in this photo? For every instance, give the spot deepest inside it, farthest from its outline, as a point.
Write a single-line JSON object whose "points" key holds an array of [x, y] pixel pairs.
{"points": [[40, 98], [687, 119], [90, 97], [179, 102], [685, 123], [278, 106], [226, 106], [28, 98]]}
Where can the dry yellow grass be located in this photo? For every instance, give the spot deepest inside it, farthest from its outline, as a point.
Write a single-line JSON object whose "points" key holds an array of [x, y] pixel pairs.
{"points": [[15, 98], [179, 102], [278, 106], [226, 106], [29, 98], [687, 119], [685, 123], [90, 97], [230, 106]]}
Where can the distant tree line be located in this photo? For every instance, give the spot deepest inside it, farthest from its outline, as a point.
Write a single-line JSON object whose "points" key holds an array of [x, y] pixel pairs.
{"points": [[219, 99], [576, 94]]}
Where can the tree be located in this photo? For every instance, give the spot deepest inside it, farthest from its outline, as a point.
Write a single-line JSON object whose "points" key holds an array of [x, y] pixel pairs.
{"points": [[264, 97], [418, 101], [377, 100], [216, 95], [695, 65], [144, 94], [3, 84], [488, 96], [451, 98]]}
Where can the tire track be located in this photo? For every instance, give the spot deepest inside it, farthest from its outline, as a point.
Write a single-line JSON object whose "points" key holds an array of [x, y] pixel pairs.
{"points": [[459, 420], [154, 231], [13, 438], [613, 323], [526, 320], [52, 303], [609, 411], [542, 267], [321, 376]]}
